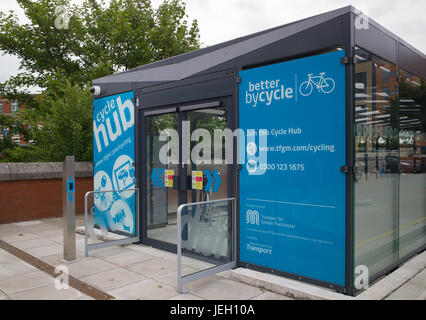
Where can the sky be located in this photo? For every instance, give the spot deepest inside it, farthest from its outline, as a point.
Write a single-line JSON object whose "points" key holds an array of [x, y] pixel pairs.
{"points": [[222, 20]]}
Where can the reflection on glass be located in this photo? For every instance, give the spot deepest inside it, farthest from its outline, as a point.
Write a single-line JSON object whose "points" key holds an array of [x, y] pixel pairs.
{"points": [[412, 151], [207, 231], [210, 120], [376, 163], [161, 201]]}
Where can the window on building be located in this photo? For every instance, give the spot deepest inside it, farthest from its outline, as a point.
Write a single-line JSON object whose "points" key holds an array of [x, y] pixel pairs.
{"points": [[15, 106], [360, 85], [1, 107]]}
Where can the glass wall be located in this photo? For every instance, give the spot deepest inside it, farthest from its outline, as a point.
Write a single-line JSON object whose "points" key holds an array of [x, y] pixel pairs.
{"points": [[412, 152], [390, 163], [376, 162]]}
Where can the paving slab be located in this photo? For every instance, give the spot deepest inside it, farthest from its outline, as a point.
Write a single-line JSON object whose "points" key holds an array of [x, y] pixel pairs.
{"points": [[146, 290], [45, 250], [89, 267], [19, 236], [27, 223], [186, 296], [284, 286], [25, 282], [99, 253], [127, 258], [47, 293], [396, 280], [113, 279], [60, 239], [170, 278], [8, 229], [216, 288], [414, 289], [33, 243], [6, 258], [51, 233], [43, 226], [15, 269], [153, 267], [420, 279], [271, 296], [152, 251], [58, 259], [408, 292]]}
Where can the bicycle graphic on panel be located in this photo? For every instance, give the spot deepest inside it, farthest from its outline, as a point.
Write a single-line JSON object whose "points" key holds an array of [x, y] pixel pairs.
{"points": [[326, 85]]}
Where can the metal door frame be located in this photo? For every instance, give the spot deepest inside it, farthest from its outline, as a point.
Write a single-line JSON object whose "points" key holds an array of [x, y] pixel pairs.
{"points": [[181, 109]]}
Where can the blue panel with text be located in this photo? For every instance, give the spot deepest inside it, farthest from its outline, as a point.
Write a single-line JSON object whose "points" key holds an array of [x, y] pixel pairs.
{"points": [[292, 192], [113, 156]]}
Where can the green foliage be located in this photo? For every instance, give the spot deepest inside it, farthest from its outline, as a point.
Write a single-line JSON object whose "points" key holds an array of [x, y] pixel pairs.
{"points": [[27, 153], [101, 39], [66, 128], [16, 127]]}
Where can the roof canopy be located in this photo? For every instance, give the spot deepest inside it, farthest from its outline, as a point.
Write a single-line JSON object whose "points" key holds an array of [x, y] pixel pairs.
{"points": [[188, 64]]}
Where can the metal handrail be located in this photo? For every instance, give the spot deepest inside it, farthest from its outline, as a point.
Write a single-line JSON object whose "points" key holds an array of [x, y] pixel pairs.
{"points": [[214, 270], [116, 242]]}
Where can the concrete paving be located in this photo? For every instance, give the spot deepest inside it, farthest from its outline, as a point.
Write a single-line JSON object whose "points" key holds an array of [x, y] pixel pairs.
{"points": [[414, 289], [125, 272], [140, 272]]}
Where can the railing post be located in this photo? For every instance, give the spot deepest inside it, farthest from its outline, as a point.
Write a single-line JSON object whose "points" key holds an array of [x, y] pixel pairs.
{"points": [[179, 249], [86, 224], [181, 280]]}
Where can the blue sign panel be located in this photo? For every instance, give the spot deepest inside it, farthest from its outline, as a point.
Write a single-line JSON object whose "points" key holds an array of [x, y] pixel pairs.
{"points": [[113, 156], [292, 192]]}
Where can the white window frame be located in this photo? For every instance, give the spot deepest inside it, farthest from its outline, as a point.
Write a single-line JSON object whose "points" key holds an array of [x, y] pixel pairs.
{"points": [[14, 106]]}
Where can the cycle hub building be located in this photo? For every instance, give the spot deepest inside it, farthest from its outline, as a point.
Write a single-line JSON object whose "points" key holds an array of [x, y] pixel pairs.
{"points": [[328, 177]]}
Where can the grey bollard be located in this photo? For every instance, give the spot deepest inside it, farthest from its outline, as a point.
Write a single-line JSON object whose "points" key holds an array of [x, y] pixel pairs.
{"points": [[68, 205]]}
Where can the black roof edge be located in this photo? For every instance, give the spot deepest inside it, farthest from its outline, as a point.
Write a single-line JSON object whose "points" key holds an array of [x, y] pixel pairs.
{"points": [[207, 49], [390, 33], [194, 53]]}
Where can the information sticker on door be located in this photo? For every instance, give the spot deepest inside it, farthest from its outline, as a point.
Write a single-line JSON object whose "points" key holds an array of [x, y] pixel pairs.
{"points": [[197, 180], [168, 178]]}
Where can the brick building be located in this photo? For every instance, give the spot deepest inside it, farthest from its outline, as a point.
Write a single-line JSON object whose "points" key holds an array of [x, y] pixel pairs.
{"points": [[11, 108]]}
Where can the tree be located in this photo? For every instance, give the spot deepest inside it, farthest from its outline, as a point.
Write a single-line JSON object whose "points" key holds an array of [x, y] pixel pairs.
{"points": [[15, 127], [98, 39]]}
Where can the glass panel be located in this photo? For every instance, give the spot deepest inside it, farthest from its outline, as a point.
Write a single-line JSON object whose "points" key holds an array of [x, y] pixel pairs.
{"points": [[207, 232], [161, 199], [210, 120], [117, 223], [376, 163], [412, 150]]}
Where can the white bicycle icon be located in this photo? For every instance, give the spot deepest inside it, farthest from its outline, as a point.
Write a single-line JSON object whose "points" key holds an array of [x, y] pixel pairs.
{"points": [[326, 85]]}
